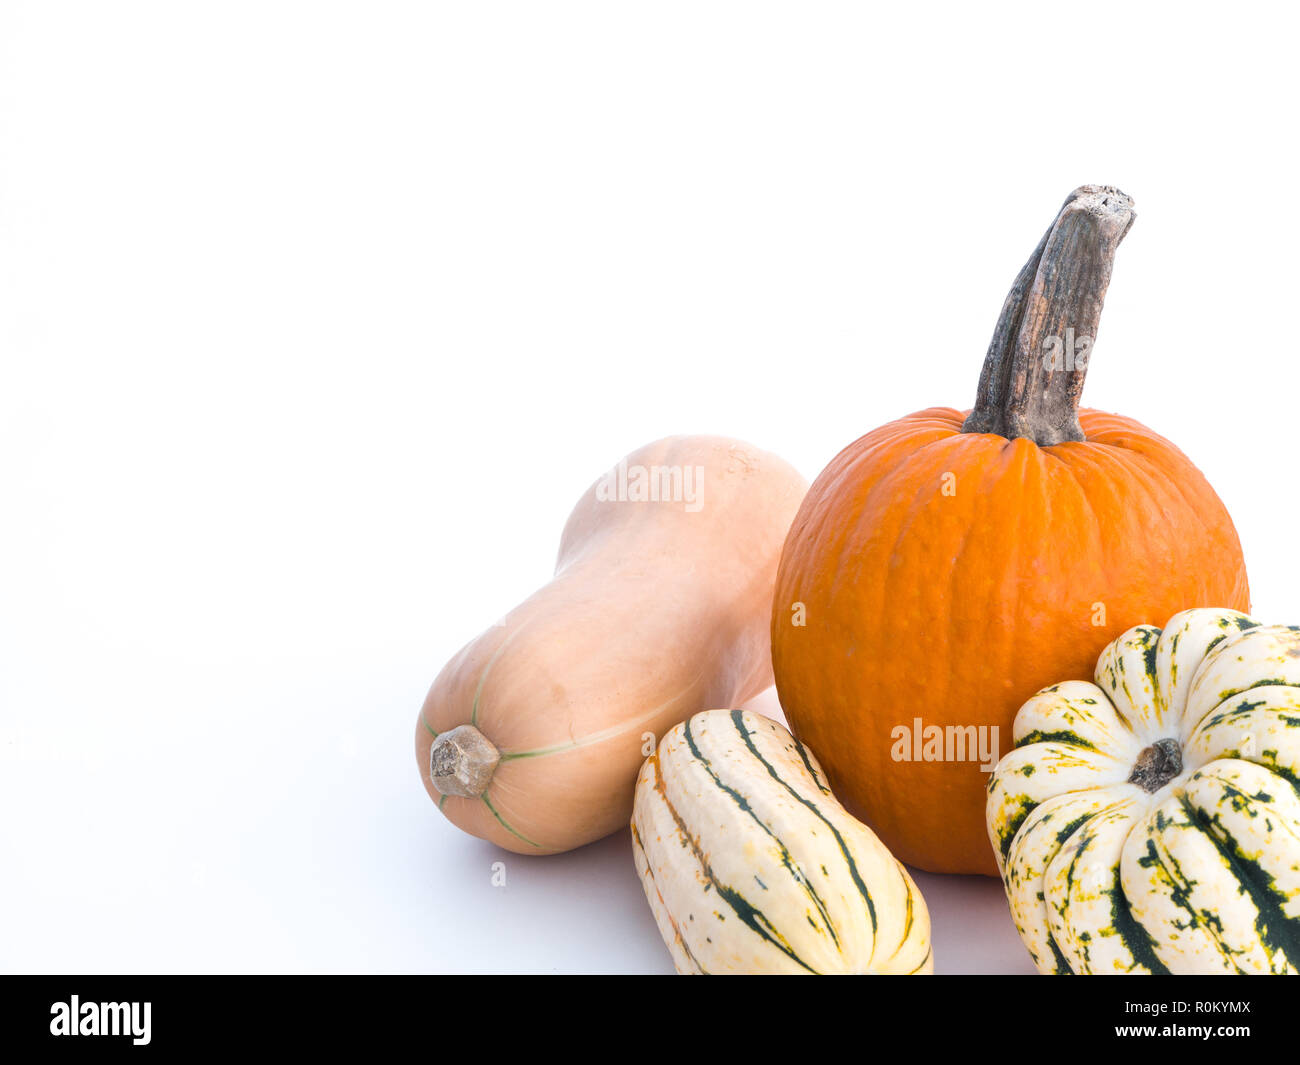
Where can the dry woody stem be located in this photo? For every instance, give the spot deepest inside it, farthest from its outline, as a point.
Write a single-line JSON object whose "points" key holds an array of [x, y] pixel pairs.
{"points": [[462, 762], [1032, 382]]}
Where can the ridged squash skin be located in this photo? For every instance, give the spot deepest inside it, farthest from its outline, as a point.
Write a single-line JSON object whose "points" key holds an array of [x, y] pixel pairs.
{"points": [[750, 865], [1150, 822], [657, 609], [948, 575]]}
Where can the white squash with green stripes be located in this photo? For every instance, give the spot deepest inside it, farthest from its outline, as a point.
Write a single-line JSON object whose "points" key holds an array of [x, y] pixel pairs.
{"points": [[750, 865], [1150, 822]]}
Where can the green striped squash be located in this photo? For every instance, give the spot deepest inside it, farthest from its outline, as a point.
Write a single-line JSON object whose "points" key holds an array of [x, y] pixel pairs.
{"points": [[750, 865], [1150, 822]]}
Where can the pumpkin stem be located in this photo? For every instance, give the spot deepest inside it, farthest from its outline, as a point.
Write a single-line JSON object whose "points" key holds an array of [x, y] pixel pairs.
{"points": [[1033, 373], [462, 762]]}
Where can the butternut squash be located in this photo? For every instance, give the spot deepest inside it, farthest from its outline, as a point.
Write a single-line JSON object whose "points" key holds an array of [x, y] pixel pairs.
{"points": [[532, 735]]}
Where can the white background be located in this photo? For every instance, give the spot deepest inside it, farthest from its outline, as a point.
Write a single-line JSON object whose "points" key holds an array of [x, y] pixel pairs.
{"points": [[316, 318]]}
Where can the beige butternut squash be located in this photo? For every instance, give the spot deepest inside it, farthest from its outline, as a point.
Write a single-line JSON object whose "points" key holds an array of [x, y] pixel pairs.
{"points": [[532, 735]]}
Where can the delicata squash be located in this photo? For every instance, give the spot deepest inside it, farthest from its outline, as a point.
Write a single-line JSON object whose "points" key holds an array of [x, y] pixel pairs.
{"points": [[750, 865], [1150, 822], [532, 735]]}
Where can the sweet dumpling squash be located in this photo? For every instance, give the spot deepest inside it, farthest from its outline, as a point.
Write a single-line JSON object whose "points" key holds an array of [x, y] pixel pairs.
{"points": [[1150, 822]]}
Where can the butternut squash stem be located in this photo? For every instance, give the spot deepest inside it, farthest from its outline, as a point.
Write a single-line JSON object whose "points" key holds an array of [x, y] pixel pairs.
{"points": [[462, 761], [1033, 374]]}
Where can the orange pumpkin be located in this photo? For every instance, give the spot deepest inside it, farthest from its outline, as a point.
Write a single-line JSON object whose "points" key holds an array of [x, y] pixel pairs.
{"points": [[948, 565]]}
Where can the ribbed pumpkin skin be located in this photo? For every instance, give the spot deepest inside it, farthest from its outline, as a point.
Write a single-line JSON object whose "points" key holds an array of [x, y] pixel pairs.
{"points": [[751, 866], [955, 606], [1198, 871]]}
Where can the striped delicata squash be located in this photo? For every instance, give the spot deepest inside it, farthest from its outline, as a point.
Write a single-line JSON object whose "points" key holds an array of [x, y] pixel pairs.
{"points": [[1150, 823], [751, 866]]}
